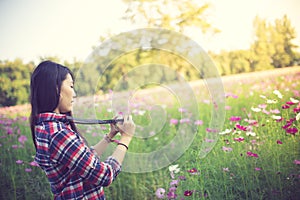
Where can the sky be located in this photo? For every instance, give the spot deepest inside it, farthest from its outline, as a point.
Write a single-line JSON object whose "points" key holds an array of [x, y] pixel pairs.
{"points": [[68, 29]]}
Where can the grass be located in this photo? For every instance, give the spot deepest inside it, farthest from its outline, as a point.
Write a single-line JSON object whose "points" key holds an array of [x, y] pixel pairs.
{"points": [[260, 163]]}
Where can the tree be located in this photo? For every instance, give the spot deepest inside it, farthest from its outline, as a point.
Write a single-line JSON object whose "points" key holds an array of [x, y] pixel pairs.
{"points": [[282, 34]]}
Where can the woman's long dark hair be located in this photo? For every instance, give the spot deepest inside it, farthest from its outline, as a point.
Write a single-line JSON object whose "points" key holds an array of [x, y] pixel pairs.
{"points": [[45, 85]]}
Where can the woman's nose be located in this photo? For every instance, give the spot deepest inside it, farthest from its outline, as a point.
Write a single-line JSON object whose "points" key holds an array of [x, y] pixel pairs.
{"points": [[74, 94]]}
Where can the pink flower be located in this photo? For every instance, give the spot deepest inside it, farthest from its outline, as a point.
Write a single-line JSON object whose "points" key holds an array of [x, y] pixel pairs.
{"points": [[251, 154], [198, 122], [227, 108], [228, 149], [174, 121], [182, 110], [257, 169], [174, 182], [22, 139], [184, 120], [262, 106], [243, 128], [209, 140], [275, 111], [279, 142], [240, 139], [160, 193], [34, 164], [297, 162], [19, 162], [235, 118], [28, 170]]}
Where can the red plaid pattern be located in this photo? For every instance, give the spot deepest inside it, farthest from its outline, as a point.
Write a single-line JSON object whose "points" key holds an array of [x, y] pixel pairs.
{"points": [[73, 170]]}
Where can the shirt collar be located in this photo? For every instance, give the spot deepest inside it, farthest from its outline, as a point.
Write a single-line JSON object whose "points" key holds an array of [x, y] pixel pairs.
{"points": [[52, 117]]}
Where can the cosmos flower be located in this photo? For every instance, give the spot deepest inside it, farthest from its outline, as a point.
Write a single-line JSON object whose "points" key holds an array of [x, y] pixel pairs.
{"points": [[173, 121], [292, 130], [251, 154], [188, 193], [278, 94], [255, 109], [225, 132], [243, 128], [174, 168], [235, 118], [160, 193], [278, 142], [227, 149]]}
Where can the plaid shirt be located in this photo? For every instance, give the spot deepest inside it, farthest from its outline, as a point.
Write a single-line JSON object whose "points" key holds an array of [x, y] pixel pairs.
{"points": [[73, 170]]}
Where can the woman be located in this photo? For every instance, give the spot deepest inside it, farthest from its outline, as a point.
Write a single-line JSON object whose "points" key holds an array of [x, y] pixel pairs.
{"points": [[73, 169]]}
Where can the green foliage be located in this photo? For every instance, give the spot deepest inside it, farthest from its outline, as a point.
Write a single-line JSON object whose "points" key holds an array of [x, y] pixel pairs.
{"points": [[14, 81]]}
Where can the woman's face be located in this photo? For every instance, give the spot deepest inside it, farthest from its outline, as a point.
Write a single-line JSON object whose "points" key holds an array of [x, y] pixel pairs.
{"points": [[67, 95]]}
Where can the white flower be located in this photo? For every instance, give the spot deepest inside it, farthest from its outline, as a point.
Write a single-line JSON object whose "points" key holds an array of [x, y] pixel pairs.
{"points": [[174, 168], [269, 101], [250, 133], [141, 112], [298, 116], [262, 96], [294, 100], [225, 132], [276, 117], [255, 109], [279, 95]]}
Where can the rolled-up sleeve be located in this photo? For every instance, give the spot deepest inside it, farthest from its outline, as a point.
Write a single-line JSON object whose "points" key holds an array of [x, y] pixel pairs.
{"points": [[68, 149]]}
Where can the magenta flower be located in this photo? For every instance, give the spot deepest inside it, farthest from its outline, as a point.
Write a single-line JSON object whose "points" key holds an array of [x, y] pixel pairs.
{"points": [[290, 103], [172, 195], [235, 118], [240, 139], [251, 154], [279, 142], [188, 193], [297, 162], [285, 106], [296, 110], [193, 171], [243, 128], [292, 130], [257, 169], [160, 193]]}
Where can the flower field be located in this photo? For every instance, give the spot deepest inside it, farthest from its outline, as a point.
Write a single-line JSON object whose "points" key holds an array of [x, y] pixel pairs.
{"points": [[256, 155]]}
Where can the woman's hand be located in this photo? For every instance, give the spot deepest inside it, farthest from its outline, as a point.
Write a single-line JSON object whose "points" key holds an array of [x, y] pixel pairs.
{"points": [[113, 130], [127, 128]]}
